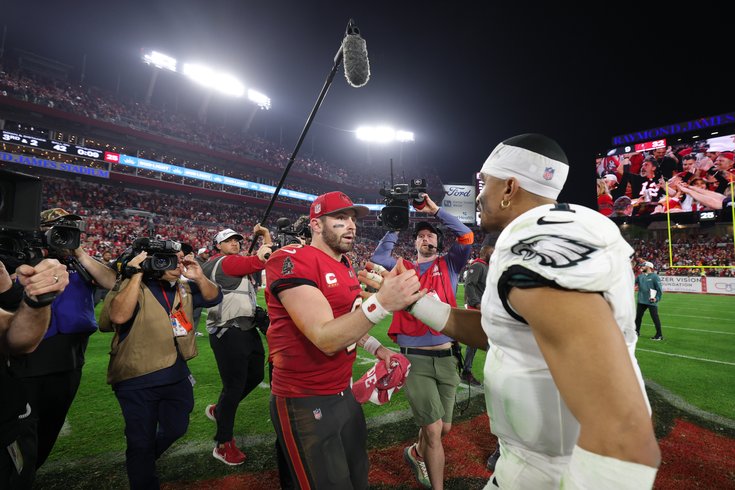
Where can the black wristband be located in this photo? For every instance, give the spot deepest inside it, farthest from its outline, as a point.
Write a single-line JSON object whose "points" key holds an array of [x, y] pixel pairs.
{"points": [[130, 271], [10, 299], [38, 304]]}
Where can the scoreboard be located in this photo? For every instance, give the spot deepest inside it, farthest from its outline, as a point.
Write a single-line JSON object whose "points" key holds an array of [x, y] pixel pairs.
{"points": [[52, 145]]}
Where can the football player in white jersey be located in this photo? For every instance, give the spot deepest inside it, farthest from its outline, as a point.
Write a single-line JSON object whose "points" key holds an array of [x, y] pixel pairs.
{"points": [[563, 389]]}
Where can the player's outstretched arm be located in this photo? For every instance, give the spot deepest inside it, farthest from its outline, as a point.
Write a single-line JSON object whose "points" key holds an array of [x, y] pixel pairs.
{"points": [[460, 324], [312, 314]]}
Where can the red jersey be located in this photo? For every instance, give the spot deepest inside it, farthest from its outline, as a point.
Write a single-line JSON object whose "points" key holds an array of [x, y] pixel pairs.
{"points": [[300, 369]]}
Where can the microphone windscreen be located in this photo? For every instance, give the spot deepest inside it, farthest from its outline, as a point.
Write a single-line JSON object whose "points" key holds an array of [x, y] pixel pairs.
{"points": [[357, 66]]}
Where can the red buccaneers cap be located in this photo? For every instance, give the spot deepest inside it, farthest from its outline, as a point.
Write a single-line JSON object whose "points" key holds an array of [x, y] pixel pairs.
{"points": [[334, 202]]}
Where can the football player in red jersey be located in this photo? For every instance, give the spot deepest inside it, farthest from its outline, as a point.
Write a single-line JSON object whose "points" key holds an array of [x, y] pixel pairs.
{"points": [[318, 318]]}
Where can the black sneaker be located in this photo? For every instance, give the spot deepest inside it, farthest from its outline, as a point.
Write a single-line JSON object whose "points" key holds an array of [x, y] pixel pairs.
{"points": [[493, 459], [657, 337]]}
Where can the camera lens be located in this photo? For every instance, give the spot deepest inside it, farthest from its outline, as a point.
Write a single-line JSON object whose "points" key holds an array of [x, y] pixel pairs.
{"points": [[163, 263]]}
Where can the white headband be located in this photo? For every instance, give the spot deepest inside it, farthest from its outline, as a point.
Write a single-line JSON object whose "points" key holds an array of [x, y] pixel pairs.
{"points": [[536, 173]]}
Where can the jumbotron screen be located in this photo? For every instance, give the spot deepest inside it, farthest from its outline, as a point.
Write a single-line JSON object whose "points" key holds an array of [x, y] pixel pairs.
{"points": [[634, 180]]}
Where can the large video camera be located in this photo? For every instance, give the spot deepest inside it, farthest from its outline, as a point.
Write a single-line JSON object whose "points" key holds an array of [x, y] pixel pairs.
{"points": [[63, 235], [162, 256], [20, 207], [394, 216], [288, 234]]}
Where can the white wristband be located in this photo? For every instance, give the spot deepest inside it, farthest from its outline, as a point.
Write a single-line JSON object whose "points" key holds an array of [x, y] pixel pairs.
{"points": [[372, 345], [590, 470], [373, 310], [431, 311]]}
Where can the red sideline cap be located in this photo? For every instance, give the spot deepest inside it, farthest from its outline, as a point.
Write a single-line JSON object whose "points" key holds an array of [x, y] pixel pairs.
{"points": [[379, 383], [728, 154], [333, 202]]}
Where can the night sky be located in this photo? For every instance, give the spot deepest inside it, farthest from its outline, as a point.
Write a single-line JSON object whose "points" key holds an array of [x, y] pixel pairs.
{"points": [[462, 77]]}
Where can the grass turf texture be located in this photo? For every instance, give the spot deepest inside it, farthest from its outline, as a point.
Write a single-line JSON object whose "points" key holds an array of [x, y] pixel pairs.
{"points": [[698, 330]]}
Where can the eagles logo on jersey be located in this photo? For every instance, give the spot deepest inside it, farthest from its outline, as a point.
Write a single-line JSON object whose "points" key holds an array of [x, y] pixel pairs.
{"points": [[553, 251]]}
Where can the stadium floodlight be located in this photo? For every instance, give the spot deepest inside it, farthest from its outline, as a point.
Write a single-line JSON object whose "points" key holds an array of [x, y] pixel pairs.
{"points": [[159, 60], [404, 136], [262, 100], [382, 134], [227, 84]]}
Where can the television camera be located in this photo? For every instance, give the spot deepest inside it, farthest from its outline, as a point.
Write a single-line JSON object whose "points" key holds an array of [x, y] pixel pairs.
{"points": [[288, 233], [394, 216], [162, 256]]}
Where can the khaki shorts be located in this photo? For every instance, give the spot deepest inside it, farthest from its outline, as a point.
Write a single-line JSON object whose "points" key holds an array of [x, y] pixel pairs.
{"points": [[431, 387]]}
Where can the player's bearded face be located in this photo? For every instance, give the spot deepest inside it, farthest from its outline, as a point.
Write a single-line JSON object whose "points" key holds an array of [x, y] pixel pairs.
{"points": [[339, 232]]}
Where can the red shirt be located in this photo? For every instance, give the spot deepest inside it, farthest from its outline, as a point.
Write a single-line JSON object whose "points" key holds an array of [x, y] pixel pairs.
{"points": [[300, 369], [435, 280]]}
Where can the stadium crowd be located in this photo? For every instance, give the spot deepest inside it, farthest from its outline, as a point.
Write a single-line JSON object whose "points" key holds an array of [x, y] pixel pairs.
{"points": [[692, 251], [99, 104], [194, 220]]}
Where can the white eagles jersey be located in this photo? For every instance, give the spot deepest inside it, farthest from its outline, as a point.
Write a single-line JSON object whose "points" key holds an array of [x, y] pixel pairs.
{"points": [[574, 248]]}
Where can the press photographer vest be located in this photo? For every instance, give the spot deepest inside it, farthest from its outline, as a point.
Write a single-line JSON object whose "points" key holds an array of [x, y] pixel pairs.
{"points": [[237, 308], [436, 278], [150, 344]]}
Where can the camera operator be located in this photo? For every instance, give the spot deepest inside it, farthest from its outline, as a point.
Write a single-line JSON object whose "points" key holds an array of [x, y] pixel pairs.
{"points": [[432, 385], [148, 311], [52, 373], [235, 341], [20, 333]]}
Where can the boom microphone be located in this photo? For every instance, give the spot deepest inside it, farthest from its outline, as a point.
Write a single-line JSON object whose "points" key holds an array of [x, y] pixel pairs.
{"points": [[354, 51]]}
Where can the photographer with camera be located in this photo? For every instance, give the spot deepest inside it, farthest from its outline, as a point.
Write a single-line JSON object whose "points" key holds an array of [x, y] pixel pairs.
{"points": [[432, 385], [149, 310], [20, 333], [235, 341], [53, 372]]}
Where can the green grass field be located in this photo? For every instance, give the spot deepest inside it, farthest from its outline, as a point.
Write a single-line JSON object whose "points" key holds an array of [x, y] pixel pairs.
{"points": [[696, 361]]}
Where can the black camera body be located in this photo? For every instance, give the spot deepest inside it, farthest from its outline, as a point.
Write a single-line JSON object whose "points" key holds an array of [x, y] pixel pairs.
{"points": [[19, 247], [289, 234], [64, 235], [394, 216], [20, 218], [162, 256]]}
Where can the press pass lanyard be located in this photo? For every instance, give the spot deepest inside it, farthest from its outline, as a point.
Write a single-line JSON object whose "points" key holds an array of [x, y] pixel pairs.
{"points": [[179, 322]]}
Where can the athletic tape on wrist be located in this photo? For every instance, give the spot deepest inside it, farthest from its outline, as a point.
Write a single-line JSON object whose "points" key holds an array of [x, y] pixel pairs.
{"points": [[377, 268], [372, 345], [374, 277], [373, 310], [431, 311]]}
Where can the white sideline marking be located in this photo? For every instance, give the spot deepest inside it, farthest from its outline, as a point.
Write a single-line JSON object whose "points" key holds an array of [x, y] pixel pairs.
{"points": [[697, 316], [686, 357], [698, 330]]}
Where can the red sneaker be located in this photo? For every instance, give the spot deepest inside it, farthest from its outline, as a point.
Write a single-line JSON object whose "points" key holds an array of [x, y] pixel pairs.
{"points": [[209, 412], [229, 453]]}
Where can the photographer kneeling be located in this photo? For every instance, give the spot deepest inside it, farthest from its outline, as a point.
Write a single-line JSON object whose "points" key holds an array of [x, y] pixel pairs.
{"points": [[149, 312], [235, 342]]}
